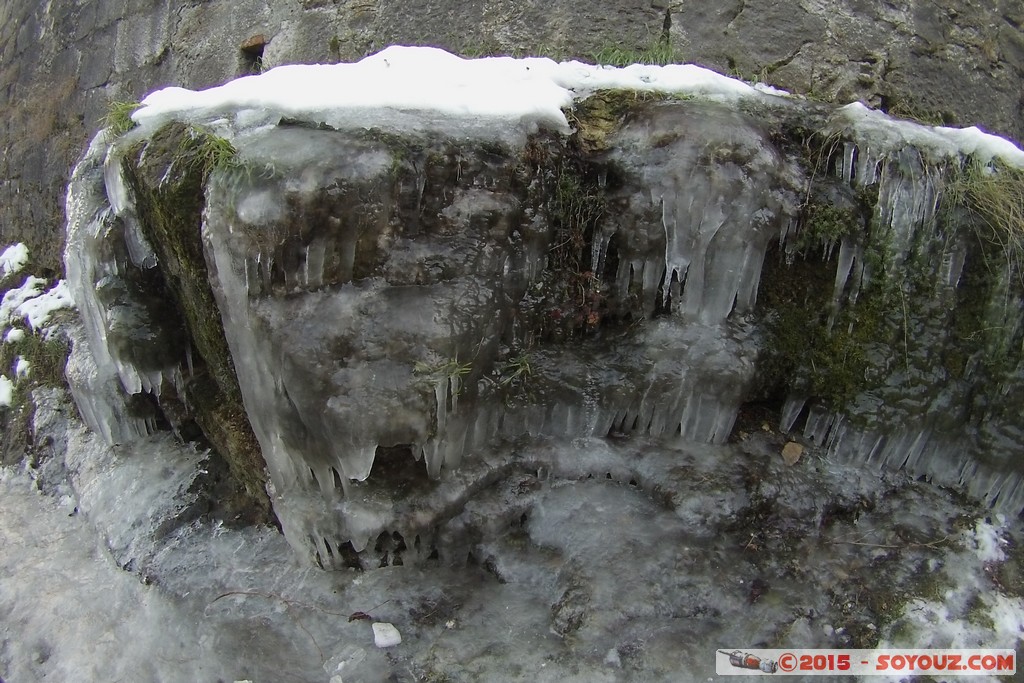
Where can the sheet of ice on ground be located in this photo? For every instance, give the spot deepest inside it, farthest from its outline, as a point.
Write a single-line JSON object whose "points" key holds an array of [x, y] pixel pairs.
{"points": [[596, 560]]}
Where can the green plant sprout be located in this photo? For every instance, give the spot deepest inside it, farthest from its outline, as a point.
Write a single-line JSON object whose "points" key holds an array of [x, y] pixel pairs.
{"points": [[515, 370]]}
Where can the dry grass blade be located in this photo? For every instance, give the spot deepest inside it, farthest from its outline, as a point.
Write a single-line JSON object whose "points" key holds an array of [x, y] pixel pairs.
{"points": [[995, 192]]}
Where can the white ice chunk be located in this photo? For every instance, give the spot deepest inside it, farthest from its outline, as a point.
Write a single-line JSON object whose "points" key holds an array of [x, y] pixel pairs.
{"points": [[385, 634], [14, 335], [6, 391]]}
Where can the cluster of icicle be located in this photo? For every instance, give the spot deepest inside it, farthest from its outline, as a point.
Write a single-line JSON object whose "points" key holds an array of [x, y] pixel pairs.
{"points": [[910, 189], [104, 243]]}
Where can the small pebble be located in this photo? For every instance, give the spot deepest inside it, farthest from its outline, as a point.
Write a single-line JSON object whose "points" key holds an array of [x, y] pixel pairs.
{"points": [[791, 452]]}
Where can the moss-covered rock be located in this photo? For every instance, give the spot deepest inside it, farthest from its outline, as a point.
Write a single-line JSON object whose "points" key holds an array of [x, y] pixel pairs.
{"points": [[166, 174]]}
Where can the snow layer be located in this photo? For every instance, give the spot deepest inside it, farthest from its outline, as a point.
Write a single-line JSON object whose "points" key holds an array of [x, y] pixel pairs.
{"points": [[886, 134], [6, 391], [414, 86], [13, 259], [30, 302], [424, 88]]}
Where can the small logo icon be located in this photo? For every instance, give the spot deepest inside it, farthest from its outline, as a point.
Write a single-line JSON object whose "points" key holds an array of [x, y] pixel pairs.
{"points": [[743, 660]]}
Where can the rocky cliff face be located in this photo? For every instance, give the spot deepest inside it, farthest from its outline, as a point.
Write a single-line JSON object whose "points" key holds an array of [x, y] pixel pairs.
{"points": [[61, 63]]}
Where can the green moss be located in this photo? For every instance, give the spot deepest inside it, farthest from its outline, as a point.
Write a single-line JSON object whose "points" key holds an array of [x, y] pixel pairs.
{"points": [[823, 225], [1009, 574], [801, 353], [604, 112], [978, 613], [46, 357]]}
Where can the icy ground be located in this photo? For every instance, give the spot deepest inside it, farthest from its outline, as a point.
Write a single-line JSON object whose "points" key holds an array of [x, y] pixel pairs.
{"points": [[618, 560]]}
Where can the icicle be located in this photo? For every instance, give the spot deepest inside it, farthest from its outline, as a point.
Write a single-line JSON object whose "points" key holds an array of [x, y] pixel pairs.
{"points": [[844, 267], [653, 274], [819, 423], [598, 251], [849, 159], [314, 268], [114, 183], [786, 229], [455, 441], [749, 278], [324, 475], [952, 267], [140, 252], [441, 404], [357, 461], [791, 410]]}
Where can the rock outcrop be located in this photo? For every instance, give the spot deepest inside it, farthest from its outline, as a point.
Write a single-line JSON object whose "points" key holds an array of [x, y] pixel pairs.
{"points": [[396, 299]]}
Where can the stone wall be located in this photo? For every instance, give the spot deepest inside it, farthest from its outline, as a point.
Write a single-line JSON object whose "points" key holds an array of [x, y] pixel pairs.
{"points": [[954, 61]]}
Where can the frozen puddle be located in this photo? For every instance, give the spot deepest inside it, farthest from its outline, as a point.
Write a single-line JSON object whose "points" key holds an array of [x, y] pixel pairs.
{"points": [[614, 560]]}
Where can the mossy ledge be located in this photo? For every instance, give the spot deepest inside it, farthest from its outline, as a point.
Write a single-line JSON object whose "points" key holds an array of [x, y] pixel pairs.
{"points": [[169, 201]]}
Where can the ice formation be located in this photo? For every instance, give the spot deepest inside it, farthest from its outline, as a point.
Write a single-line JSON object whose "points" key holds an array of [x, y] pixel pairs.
{"points": [[622, 559], [378, 253]]}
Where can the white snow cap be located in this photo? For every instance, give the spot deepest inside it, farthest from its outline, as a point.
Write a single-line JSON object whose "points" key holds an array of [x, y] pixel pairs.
{"points": [[892, 133], [529, 93], [385, 634], [425, 88]]}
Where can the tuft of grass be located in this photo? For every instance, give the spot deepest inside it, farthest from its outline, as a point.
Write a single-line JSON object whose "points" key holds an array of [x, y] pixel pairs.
{"points": [[995, 193], [119, 116], [659, 54], [200, 149], [46, 357], [451, 369], [515, 369]]}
